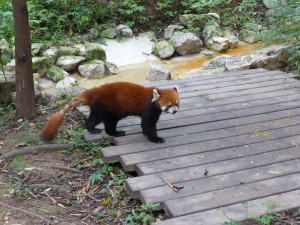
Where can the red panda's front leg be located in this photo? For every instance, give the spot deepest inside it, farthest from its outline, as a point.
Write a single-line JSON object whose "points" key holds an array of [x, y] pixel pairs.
{"points": [[149, 120]]}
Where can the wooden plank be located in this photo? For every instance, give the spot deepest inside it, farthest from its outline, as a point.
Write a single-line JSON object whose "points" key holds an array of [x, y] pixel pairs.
{"points": [[240, 211], [246, 192], [233, 81], [179, 135], [195, 171], [214, 108], [202, 185], [228, 147], [194, 154], [226, 81]]}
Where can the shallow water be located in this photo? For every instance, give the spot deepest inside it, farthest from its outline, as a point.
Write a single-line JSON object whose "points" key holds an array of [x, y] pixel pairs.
{"points": [[178, 66]]}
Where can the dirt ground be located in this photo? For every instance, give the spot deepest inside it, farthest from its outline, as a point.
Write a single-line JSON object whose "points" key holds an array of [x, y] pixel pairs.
{"points": [[70, 186]]}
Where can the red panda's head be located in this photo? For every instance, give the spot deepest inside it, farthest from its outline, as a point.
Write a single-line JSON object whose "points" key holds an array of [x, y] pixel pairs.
{"points": [[166, 99]]}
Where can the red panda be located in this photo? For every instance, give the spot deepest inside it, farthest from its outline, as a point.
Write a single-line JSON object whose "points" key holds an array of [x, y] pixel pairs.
{"points": [[111, 102]]}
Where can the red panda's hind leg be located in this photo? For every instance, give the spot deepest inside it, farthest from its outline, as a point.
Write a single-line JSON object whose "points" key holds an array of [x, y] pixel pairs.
{"points": [[93, 120]]}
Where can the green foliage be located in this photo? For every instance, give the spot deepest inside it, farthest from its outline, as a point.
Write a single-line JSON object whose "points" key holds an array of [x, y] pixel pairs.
{"points": [[96, 177], [265, 219], [141, 215], [231, 222], [21, 189], [284, 26], [132, 12]]}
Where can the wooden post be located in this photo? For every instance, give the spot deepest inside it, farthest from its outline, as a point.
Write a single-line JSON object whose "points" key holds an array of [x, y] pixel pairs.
{"points": [[25, 98]]}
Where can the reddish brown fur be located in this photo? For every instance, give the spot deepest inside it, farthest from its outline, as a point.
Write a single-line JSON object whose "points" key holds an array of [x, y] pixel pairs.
{"points": [[119, 97]]}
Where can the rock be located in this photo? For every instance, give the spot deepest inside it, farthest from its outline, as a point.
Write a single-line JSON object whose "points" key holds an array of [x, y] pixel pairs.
{"points": [[233, 40], [157, 72], [248, 36], [219, 44], [53, 96], [211, 30], [163, 49], [236, 63], [186, 43], [109, 33], [67, 51], [93, 51], [171, 29], [274, 3], [69, 63], [7, 87], [45, 83], [5, 51], [36, 48], [124, 30], [217, 62], [40, 65], [11, 66], [51, 53], [204, 72], [66, 82], [271, 58], [111, 68], [253, 27], [93, 69], [56, 73], [198, 20], [36, 77]]}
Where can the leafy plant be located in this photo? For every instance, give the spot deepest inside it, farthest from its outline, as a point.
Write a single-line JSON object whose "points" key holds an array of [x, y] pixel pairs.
{"points": [[132, 12], [265, 219], [96, 177], [21, 189], [141, 215]]}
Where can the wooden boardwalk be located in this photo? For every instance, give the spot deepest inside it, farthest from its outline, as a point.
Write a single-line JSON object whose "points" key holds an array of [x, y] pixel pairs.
{"points": [[233, 146]]}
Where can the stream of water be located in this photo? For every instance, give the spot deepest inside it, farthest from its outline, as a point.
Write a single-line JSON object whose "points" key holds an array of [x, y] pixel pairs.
{"points": [[178, 66]]}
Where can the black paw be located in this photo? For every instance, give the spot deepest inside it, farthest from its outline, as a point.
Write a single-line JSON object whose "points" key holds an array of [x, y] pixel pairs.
{"points": [[95, 131], [157, 140], [116, 133]]}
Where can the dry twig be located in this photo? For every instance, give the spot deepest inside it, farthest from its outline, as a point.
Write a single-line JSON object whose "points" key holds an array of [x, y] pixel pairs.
{"points": [[36, 149], [174, 188], [26, 212]]}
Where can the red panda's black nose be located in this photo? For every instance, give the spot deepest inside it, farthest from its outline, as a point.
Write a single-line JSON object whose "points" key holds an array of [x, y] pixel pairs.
{"points": [[175, 111]]}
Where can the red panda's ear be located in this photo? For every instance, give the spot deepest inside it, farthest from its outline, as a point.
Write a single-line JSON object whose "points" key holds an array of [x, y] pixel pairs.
{"points": [[155, 95], [175, 88]]}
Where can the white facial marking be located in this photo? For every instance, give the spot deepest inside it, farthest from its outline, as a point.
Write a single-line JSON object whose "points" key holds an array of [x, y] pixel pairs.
{"points": [[163, 108]]}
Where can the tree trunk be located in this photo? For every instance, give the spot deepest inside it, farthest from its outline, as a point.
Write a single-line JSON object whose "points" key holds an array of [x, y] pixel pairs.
{"points": [[25, 98]]}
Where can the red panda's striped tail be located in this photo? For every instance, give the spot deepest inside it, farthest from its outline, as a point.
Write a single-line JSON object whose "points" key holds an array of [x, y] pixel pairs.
{"points": [[50, 129]]}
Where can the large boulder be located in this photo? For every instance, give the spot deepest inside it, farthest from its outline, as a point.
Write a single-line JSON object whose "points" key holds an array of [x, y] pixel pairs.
{"points": [[217, 62], [51, 53], [163, 49], [157, 73], [56, 73], [236, 63], [274, 3], [219, 44], [92, 51], [271, 58], [40, 65], [45, 83], [111, 68], [67, 50], [248, 36], [186, 43], [109, 33], [92, 69], [198, 20], [124, 30], [69, 63], [171, 29], [37, 48], [213, 37], [233, 40], [66, 82]]}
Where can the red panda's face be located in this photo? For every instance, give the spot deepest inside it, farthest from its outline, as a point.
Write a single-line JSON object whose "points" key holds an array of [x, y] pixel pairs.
{"points": [[167, 99]]}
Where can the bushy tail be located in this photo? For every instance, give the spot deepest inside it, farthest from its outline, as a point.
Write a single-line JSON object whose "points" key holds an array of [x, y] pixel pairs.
{"points": [[50, 129]]}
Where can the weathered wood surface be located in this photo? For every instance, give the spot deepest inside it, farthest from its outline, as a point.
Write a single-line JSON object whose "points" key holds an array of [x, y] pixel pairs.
{"points": [[235, 139]]}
